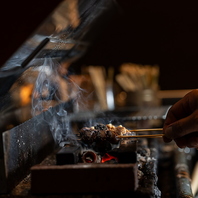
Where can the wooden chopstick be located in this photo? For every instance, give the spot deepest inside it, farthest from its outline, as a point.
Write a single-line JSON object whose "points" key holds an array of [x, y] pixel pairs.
{"points": [[140, 136], [145, 130]]}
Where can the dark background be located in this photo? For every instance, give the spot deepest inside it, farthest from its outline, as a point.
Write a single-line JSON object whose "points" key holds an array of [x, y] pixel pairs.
{"points": [[145, 32], [152, 32], [18, 20]]}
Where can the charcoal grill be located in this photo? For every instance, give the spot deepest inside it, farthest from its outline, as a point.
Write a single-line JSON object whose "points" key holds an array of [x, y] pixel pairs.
{"points": [[37, 159], [29, 151]]}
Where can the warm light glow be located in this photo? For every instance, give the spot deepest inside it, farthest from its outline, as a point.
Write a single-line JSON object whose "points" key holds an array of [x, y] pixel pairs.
{"points": [[108, 157], [25, 94]]}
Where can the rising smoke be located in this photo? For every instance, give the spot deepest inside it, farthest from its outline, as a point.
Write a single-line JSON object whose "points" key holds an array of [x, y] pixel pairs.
{"points": [[52, 97]]}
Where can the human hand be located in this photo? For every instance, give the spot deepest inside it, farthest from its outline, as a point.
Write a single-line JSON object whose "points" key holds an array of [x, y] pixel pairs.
{"points": [[181, 123]]}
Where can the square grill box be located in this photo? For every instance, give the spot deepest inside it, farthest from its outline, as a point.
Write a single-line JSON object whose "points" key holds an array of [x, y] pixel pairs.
{"points": [[29, 162]]}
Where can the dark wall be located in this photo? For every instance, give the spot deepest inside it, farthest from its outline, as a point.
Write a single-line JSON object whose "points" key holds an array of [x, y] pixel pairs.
{"points": [[152, 32], [146, 32], [18, 20]]}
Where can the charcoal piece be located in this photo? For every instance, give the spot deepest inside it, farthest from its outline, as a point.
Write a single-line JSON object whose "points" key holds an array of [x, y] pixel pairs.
{"points": [[126, 153], [68, 155], [90, 157], [102, 146], [112, 161]]}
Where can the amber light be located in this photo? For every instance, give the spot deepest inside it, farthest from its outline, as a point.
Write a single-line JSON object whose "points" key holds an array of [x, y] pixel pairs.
{"points": [[25, 94], [108, 157]]}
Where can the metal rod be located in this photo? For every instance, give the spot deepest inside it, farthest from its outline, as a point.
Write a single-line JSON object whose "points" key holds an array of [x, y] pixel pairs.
{"points": [[35, 52], [183, 180]]}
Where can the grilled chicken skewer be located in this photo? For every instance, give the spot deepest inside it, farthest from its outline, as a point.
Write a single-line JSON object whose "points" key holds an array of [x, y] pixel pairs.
{"points": [[112, 134]]}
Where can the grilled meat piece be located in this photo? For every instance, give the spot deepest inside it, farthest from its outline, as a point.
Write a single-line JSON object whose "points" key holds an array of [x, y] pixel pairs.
{"points": [[101, 132], [88, 135], [100, 127]]}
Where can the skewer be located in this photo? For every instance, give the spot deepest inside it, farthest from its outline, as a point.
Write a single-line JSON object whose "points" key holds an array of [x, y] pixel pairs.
{"points": [[145, 130], [140, 136]]}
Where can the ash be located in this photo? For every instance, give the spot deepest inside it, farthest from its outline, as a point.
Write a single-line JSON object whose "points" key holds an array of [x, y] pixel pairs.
{"points": [[147, 171]]}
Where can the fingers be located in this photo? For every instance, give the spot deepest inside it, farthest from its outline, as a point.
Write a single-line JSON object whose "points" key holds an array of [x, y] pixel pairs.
{"points": [[182, 127], [190, 141], [183, 108], [167, 140], [181, 123]]}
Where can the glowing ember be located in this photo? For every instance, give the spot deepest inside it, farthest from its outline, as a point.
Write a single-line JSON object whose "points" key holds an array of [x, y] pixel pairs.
{"points": [[108, 157]]}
